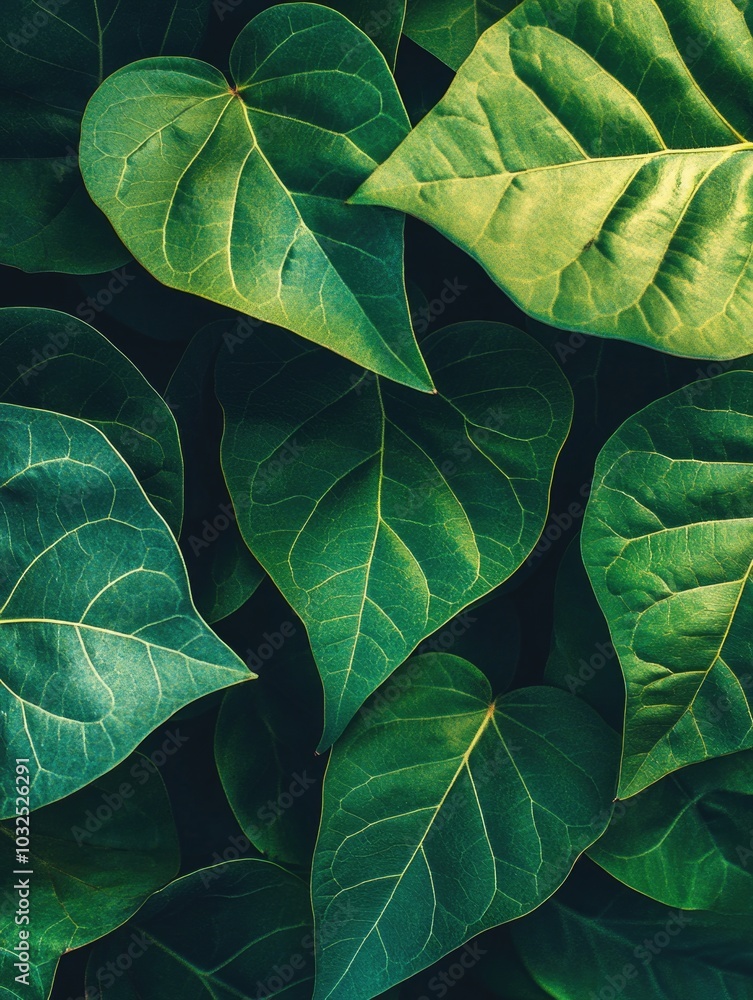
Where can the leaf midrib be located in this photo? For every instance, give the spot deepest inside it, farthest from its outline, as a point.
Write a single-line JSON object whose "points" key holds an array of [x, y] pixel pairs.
{"points": [[488, 716]]}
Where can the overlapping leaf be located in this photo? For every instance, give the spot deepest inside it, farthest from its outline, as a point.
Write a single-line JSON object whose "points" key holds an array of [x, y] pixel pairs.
{"points": [[99, 639], [596, 159], [597, 938], [222, 571], [449, 29], [582, 658], [242, 929], [379, 512], [94, 858], [52, 58], [687, 841], [237, 192], [53, 361], [446, 813], [668, 545]]}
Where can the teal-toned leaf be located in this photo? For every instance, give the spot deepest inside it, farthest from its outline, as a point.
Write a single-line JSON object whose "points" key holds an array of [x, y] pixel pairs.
{"points": [[686, 840], [52, 361], [381, 513], [280, 150], [445, 813], [99, 639], [222, 571], [596, 159], [582, 658], [596, 938], [264, 748], [94, 858], [668, 544], [449, 29], [240, 929], [52, 58]]}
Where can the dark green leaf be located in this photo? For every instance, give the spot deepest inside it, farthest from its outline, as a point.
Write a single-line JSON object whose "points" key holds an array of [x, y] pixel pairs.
{"points": [[53, 56], [93, 860], [381, 513], [598, 939], [449, 29], [446, 813], [52, 361], [238, 930], [265, 758], [222, 571], [687, 841], [582, 659]]}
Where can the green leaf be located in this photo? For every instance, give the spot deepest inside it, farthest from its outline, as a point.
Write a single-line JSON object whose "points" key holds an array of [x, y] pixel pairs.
{"points": [[582, 659], [265, 755], [222, 571], [240, 929], [595, 159], [281, 149], [449, 29], [446, 813], [94, 858], [52, 58], [686, 840], [52, 361], [598, 939], [668, 545], [381, 20], [99, 639], [381, 513]]}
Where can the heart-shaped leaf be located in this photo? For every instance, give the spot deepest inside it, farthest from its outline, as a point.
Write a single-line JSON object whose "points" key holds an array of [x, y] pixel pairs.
{"points": [[51, 361], [668, 545], [687, 841], [381, 513], [99, 639], [52, 58], [280, 150], [446, 813], [596, 158], [449, 29], [93, 859], [241, 929]]}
